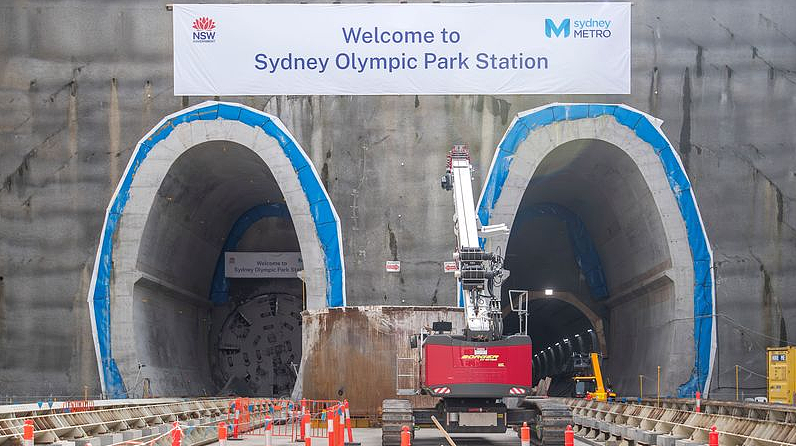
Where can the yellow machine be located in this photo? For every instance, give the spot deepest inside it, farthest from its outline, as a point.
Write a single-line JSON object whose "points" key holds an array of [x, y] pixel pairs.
{"points": [[781, 375], [599, 392]]}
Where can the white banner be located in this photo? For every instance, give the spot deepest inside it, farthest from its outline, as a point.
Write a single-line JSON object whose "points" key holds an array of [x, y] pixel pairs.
{"points": [[413, 48], [269, 265]]}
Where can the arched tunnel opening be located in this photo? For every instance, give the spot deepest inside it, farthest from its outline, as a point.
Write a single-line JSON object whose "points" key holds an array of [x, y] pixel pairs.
{"points": [[197, 331], [588, 244], [561, 332]]}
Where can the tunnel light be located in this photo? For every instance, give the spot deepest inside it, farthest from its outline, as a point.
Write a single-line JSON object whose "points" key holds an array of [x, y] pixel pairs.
{"points": [[549, 348], [589, 330], [566, 339], [557, 344], [577, 335], [548, 292]]}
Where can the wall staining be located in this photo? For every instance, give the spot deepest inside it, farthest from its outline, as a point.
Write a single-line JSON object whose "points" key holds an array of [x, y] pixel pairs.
{"points": [[114, 133], [353, 352], [685, 130]]}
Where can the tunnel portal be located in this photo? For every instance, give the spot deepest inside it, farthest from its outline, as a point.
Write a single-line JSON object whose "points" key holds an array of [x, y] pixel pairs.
{"points": [[211, 180], [586, 215], [212, 342], [605, 235]]}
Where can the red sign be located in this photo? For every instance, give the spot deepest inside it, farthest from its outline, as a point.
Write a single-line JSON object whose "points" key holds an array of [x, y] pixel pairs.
{"points": [[78, 406], [449, 267], [393, 266]]}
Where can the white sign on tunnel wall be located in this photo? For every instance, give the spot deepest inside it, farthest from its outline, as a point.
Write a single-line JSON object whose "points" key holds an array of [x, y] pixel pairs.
{"points": [[414, 48], [274, 265]]}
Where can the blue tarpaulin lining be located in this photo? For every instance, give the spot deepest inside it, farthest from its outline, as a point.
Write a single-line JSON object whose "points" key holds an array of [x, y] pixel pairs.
{"points": [[219, 290], [678, 182], [320, 207], [583, 248]]}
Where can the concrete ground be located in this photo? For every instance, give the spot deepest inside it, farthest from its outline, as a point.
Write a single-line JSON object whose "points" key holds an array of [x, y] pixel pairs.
{"points": [[423, 437]]}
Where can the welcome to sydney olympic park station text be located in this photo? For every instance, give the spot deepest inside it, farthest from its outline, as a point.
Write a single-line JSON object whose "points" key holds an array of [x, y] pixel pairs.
{"points": [[272, 63]]}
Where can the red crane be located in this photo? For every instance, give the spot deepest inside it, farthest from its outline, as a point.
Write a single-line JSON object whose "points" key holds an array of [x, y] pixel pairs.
{"points": [[473, 373]]}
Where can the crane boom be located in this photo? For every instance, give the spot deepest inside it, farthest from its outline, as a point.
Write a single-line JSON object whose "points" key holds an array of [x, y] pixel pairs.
{"points": [[477, 270]]}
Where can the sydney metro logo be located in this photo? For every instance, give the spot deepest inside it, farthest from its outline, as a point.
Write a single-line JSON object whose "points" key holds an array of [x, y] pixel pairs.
{"points": [[584, 29], [204, 27]]}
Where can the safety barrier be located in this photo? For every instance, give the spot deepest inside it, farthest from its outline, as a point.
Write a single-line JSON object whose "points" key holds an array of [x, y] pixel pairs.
{"points": [[127, 419], [298, 421], [177, 433], [749, 410], [667, 426], [200, 421]]}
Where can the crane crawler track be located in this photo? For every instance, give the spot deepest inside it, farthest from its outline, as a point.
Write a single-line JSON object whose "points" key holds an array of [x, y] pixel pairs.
{"points": [[394, 416], [550, 422]]}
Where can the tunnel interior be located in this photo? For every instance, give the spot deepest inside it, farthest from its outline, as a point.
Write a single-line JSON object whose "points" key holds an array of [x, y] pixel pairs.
{"points": [[245, 342], [588, 217]]}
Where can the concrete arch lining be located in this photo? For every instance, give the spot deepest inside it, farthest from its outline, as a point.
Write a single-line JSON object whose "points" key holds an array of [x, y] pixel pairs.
{"points": [[115, 272], [534, 134], [594, 319], [584, 250], [220, 284]]}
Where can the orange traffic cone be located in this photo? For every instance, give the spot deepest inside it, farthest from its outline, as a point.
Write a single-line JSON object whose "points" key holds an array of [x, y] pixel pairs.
{"points": [[698, 407], [525, 435], [348, 422], [340, 426], [27, 433], [222, 434], [176, 434], [304, 430], [330, 427], [713, 437], [569, 436], [268, 431], [406, 437]]}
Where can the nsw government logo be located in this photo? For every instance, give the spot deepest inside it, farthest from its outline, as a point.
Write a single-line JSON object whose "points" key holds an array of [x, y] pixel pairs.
{"points": [[204, 30], [583, 29]]}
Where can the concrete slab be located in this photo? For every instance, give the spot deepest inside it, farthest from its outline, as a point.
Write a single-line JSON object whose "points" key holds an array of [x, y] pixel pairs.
{"points": [[132, 434], [646, 437], [667, 440], [80, 442], [106, 440], [687, 442]]}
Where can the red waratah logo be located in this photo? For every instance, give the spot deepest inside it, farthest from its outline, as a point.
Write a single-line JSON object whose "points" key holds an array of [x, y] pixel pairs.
{"points": [[204, 30], [204, 24]]}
